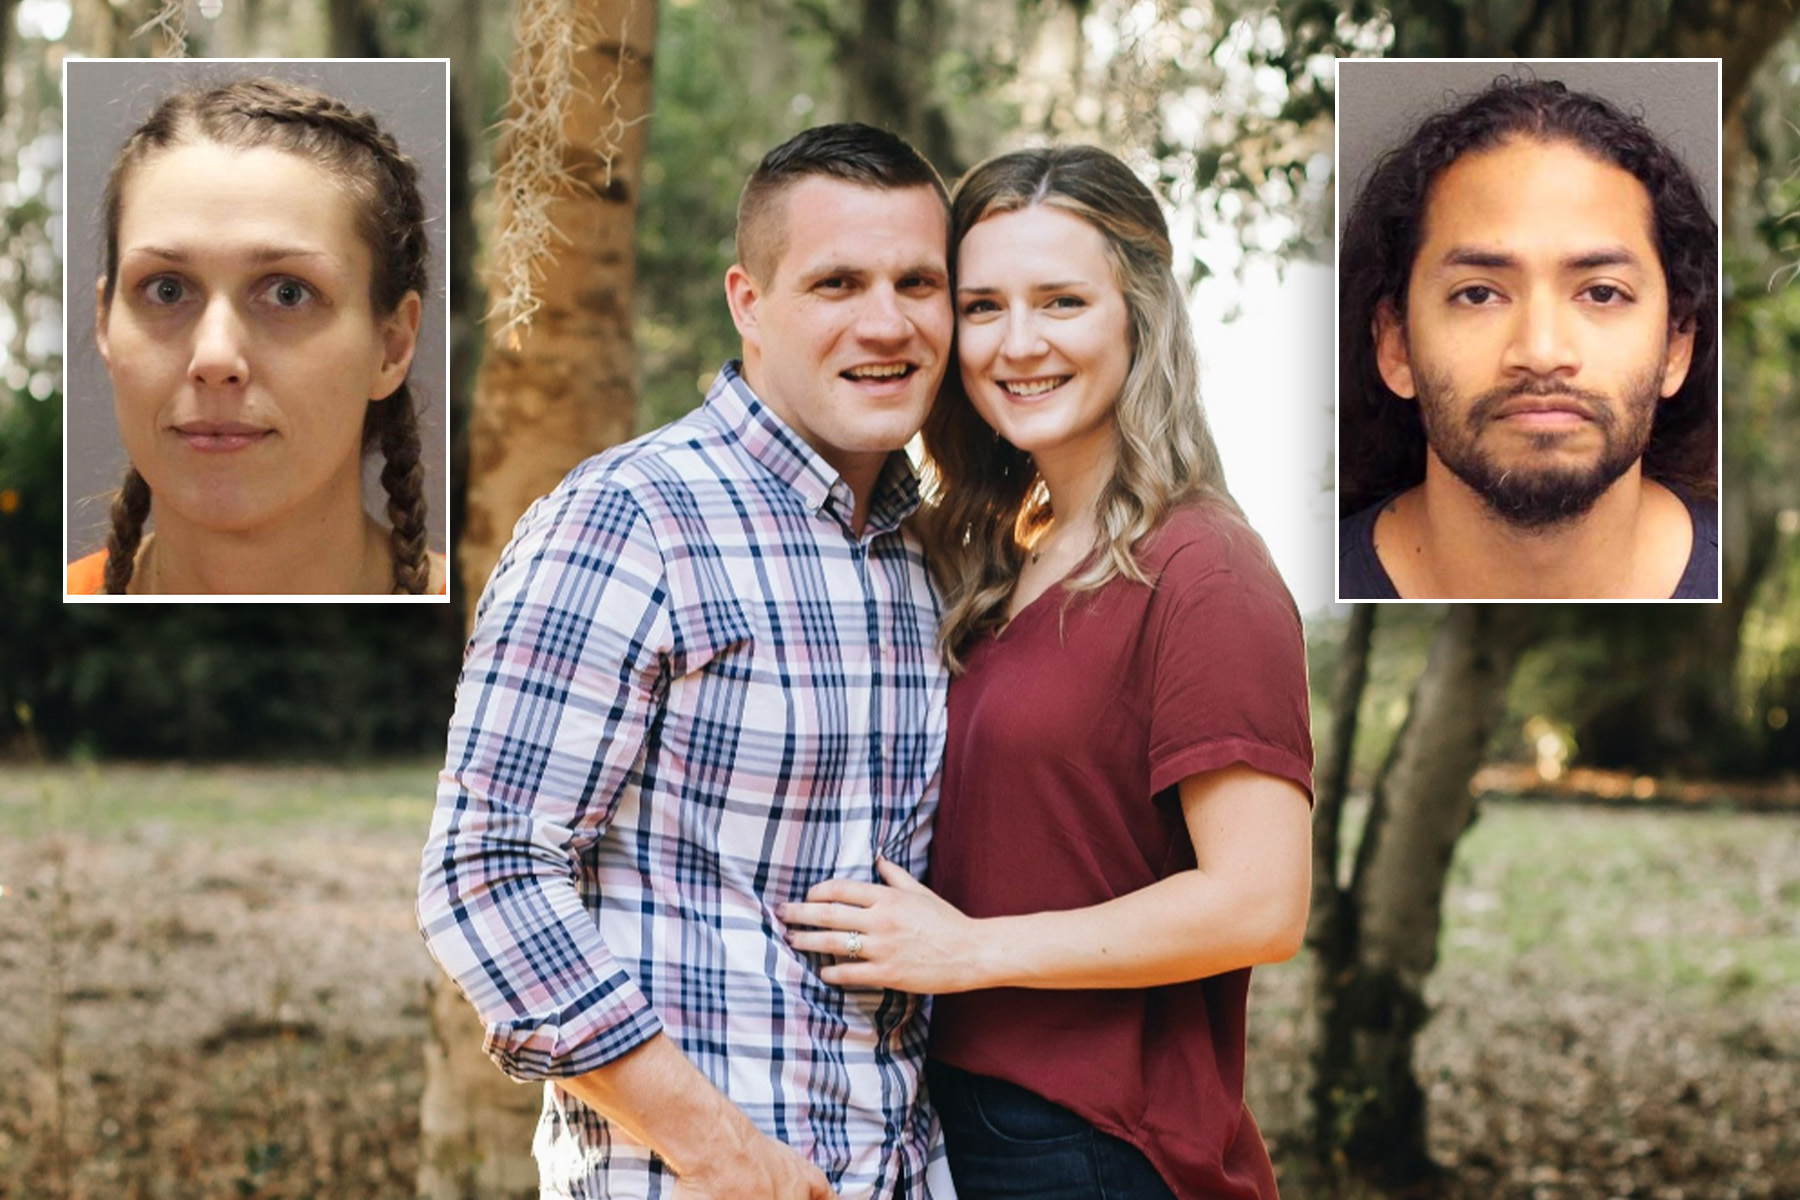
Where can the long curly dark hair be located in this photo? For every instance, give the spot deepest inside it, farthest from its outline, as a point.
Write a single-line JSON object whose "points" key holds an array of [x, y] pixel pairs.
{"points": [[1381, 440]]}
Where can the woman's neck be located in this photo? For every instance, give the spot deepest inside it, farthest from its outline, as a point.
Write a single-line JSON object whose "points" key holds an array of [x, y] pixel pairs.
{"points": [[1076, 477], [329, 548]]}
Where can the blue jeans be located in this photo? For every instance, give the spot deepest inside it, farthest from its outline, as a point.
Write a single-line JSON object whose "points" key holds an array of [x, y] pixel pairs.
{"points": [[1005, 1141]]}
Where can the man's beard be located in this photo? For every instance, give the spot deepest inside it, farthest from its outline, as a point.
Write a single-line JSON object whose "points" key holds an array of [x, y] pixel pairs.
{"points": [[1530, 497]]}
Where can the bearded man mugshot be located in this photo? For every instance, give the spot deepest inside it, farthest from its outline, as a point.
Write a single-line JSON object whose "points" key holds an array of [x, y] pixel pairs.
{"points": [[259, 282], [1528, 389]]}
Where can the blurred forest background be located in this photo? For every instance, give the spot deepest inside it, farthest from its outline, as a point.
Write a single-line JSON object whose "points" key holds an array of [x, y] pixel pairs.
{"points": [[210, 815]]}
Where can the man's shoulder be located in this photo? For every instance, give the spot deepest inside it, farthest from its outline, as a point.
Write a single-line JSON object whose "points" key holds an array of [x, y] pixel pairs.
{"points": [[662, 470], [1700, 578], [1360, 573]]}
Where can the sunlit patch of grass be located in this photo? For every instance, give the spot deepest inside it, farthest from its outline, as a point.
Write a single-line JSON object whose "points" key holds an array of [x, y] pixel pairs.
{"points": [[245, 803], [1687, 906]]}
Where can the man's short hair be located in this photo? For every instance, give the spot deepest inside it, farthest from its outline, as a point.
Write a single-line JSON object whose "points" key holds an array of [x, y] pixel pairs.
{"points": [[849, 151], [1381, 436]]}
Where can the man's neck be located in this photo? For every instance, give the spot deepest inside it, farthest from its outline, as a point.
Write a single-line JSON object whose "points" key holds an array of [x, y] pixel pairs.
{"points": [[1441, 541]]}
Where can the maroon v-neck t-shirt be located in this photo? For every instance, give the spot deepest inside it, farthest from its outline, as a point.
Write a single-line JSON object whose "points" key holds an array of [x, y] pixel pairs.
{"points": [[1069, 734]]}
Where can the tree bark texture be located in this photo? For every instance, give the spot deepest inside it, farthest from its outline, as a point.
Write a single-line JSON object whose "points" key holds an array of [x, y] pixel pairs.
{"points": [[1371, 972], [355, 32], [568, 389], [475, 1124], [1332, 783], [565, 391]]}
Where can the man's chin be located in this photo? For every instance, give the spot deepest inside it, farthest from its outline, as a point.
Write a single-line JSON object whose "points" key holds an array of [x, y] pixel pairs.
{"points": [[1540, 503]]}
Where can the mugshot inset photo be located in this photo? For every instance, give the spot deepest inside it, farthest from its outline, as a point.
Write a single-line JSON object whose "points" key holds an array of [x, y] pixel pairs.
{"points": [[256, 327], [1528, 324]]}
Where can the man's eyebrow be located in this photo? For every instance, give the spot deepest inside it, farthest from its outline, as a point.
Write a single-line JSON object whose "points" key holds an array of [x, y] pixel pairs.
{"points": [[1474, 256], [1500, 260], [1611, 256]]}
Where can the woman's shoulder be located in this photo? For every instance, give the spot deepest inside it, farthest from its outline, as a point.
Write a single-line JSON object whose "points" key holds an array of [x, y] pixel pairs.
{"points": [[86, 576], [1203, 537]]}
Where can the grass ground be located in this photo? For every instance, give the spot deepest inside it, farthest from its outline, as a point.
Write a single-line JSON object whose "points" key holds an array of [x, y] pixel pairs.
{"points": [[210, 985]]}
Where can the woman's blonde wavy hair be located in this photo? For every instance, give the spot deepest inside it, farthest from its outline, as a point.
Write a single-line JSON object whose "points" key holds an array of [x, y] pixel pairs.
{"points": [[987, 499]]}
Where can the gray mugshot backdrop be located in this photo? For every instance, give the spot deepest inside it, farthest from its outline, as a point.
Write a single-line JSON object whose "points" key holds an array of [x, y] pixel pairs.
{"points": [[1380, 101], [107, 99]]}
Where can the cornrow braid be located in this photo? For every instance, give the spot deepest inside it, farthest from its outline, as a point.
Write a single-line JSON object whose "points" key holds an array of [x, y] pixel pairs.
{"points": [[390, 214], [130, 508], [404, 478]]}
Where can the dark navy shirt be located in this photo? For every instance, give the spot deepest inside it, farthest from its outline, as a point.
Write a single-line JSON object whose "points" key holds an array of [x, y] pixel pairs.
{"points": [[1362, 577]]}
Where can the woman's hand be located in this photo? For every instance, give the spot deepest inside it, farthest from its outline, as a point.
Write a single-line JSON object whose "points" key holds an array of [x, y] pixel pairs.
{"points": [[905, 936]]}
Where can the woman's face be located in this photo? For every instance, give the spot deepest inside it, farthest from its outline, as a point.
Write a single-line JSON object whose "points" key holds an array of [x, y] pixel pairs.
{"points": [[1043, 333], [240, 341]]}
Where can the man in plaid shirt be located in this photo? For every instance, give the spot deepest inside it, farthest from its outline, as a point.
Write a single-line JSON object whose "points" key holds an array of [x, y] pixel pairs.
{"points": [[703, 679]]}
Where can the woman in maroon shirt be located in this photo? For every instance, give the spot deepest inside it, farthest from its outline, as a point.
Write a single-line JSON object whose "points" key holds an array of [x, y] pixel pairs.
{"points": [[1123, 830]]}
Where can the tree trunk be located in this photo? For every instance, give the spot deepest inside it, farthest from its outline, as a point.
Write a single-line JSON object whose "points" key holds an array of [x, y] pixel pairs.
{"points": [[563, 391], [1332, 784], [568, 388], [354, 30], [459, 28], [1369, 1109]]}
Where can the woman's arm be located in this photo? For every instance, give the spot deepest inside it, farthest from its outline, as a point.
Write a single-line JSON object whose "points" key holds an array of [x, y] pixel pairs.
{"points": [[1245, 903]]}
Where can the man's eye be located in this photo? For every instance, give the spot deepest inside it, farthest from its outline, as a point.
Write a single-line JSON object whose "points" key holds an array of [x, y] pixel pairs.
{"points": [[1475, 294], [164, 290], [1607, 294], [834, 283]]}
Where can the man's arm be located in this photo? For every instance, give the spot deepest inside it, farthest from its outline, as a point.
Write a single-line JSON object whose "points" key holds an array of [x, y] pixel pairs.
{"points": [[558, 687], [660, 1098], [562, 677]]}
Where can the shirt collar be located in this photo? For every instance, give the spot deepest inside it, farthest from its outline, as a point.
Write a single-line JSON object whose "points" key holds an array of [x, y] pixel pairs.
{"points": [[785, 454]]}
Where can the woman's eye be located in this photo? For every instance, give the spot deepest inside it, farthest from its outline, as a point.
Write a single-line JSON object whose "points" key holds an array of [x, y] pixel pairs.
{"points": [[164, 290], [287, 293], [975, 308], [1068, 302]]}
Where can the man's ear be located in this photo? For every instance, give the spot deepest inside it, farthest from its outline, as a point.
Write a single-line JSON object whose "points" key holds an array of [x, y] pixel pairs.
{"points": [[1392, 357], [399, 338], [742, 293], [100, 309], [1677, 358]]}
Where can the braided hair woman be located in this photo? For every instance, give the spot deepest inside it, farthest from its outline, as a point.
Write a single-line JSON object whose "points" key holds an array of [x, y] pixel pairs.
{"points": [[265, 259]]}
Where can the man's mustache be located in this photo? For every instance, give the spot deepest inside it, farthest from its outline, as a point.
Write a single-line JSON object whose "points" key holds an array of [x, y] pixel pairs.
{"points": [[1594, 405]]}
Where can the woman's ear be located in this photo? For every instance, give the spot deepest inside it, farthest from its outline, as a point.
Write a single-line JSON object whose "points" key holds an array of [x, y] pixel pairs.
{"points": [[100, 307], [399, 338]]}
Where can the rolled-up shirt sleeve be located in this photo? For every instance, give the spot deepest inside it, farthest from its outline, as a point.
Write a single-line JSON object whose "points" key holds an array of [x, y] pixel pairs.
{"points": [[561, 681]]}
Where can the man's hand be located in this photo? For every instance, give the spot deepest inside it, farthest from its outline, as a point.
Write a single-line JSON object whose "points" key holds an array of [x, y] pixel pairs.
{"points": [[760, 1168], [660, 1098]]}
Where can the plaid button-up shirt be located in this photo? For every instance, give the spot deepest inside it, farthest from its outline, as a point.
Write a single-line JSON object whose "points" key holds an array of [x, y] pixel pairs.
{"points": [[691, 694]]}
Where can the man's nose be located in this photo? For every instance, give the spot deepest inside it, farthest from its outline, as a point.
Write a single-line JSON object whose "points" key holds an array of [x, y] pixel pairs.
{"points": [[882, 318], [1543, 341], [220, 346]]}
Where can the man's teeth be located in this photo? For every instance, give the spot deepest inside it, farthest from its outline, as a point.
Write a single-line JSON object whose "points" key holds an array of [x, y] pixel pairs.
{"points": [[889, 371], [1033, 387]]}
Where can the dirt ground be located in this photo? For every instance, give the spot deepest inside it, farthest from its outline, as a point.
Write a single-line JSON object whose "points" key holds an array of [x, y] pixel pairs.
{"points": [[211, 986]]}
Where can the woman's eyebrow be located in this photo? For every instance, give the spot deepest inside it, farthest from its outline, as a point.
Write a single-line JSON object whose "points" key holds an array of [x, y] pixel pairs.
{"points": [[258, 254], [1065, 285]]}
